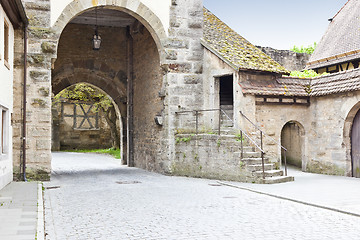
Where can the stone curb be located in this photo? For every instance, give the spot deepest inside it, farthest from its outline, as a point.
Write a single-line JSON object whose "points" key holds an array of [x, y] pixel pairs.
{"points": [[289, 199], [40, 235]]}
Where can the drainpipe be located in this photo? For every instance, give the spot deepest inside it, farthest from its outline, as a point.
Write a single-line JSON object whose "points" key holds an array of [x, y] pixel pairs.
{"points": [[24, 106], [25, 21], [130, 98]]}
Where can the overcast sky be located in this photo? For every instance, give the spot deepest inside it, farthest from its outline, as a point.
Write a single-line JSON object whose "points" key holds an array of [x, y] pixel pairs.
{"points": [[279, 24]]}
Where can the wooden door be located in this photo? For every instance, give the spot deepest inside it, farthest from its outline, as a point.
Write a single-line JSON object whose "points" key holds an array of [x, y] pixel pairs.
{"points": [[355, 146]]}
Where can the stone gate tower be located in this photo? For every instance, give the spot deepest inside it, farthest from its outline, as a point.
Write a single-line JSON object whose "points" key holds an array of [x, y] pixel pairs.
{"points": [[150, 63]]}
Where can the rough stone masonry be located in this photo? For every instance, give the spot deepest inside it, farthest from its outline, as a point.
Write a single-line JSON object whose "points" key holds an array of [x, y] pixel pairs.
{"points": [[165, 75]]}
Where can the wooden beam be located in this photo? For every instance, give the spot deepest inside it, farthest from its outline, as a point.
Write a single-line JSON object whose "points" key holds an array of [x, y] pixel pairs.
{"points": [[280, 100]]}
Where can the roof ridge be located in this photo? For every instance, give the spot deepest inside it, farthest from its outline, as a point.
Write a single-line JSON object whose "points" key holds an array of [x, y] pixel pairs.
{"points": [[340, 9]]}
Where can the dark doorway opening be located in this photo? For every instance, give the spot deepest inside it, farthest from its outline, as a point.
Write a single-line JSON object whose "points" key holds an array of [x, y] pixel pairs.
{"points": [[226, 91]]}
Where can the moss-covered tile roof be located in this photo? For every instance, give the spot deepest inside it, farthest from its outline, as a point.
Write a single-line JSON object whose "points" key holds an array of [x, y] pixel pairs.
{"points": [[335, 83], [234, 49], [283, 86]]}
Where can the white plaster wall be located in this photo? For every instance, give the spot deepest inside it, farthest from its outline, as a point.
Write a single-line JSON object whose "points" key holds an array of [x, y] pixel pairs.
{"points": [[161, 8], [6, 98], [214, 68]]}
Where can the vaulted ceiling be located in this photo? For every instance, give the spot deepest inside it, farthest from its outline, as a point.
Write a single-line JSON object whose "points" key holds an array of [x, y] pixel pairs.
{"points": [[104, 17]]}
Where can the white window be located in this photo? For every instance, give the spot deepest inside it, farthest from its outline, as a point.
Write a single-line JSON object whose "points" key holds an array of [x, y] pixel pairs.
{"points": [[4, 129]]}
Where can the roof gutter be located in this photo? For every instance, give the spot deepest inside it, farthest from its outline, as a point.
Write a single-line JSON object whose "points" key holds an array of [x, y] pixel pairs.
{"points": [[22, 12]]}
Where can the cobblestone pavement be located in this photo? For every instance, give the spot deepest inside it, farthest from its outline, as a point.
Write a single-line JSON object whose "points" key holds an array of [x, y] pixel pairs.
{"points": [[128, 203]]}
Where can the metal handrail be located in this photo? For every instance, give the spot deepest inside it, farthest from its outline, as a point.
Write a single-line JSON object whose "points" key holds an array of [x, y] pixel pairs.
{"points": [[272, 139], [197, 116], [219, 129], [243, 132], [258, 128]]}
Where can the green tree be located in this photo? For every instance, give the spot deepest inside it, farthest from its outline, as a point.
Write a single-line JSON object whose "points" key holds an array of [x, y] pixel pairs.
{"points": [[309, 49], [81, 93], [306, 74]]}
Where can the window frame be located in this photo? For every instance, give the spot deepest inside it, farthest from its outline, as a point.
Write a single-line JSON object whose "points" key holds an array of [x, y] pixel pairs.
{"points": [[4, 132], [6, 43]]}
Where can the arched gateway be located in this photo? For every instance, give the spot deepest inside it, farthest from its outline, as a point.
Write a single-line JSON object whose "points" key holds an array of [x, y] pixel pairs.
{"points": [[133, 65], [351, 140]]}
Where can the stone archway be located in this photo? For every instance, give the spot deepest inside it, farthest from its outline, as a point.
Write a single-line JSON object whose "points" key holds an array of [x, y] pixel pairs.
{"points": [[347, 132], [71, 75], [51, 67], [134, 8], [127, 67], [79, 124], [166, 74], [292, 138]]}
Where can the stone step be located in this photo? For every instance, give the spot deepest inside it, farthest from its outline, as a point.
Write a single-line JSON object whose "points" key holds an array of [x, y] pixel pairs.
{"points": [[258, 167], [227, 124], [229, 131], [227, 107], [226, 120], [266, 160], [246, 149], [253, 161], [280, 179], [270, 173], [252, 155], [229, 113]]}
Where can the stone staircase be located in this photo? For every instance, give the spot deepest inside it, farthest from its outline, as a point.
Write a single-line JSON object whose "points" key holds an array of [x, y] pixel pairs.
{"points": [[251, 160]]}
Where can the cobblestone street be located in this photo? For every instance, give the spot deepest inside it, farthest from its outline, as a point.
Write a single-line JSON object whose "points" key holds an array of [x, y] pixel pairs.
{"points": [[116, 202]]}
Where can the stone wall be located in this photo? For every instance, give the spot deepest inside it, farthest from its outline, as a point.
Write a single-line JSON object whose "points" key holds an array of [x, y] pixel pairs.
{"points": [[147, 101], [159, 7], [326, 130], [328, 145], [168, 73], [41, 49], [209, 156], [214, 68], [183, 68], [290, 60]]}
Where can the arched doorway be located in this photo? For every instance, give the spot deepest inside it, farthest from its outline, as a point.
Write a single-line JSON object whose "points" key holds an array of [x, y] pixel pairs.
{"points": [[153, 67], [85, 117], [292, 138], [350, 133], [126, 67], [355, 146]]}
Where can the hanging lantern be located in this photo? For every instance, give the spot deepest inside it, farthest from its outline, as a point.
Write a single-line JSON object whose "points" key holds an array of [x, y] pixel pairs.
{"points": [[96, 41]]}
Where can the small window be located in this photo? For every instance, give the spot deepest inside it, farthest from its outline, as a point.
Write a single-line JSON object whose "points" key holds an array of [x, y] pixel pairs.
{"points": [[4, 132], [6, 43]]}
